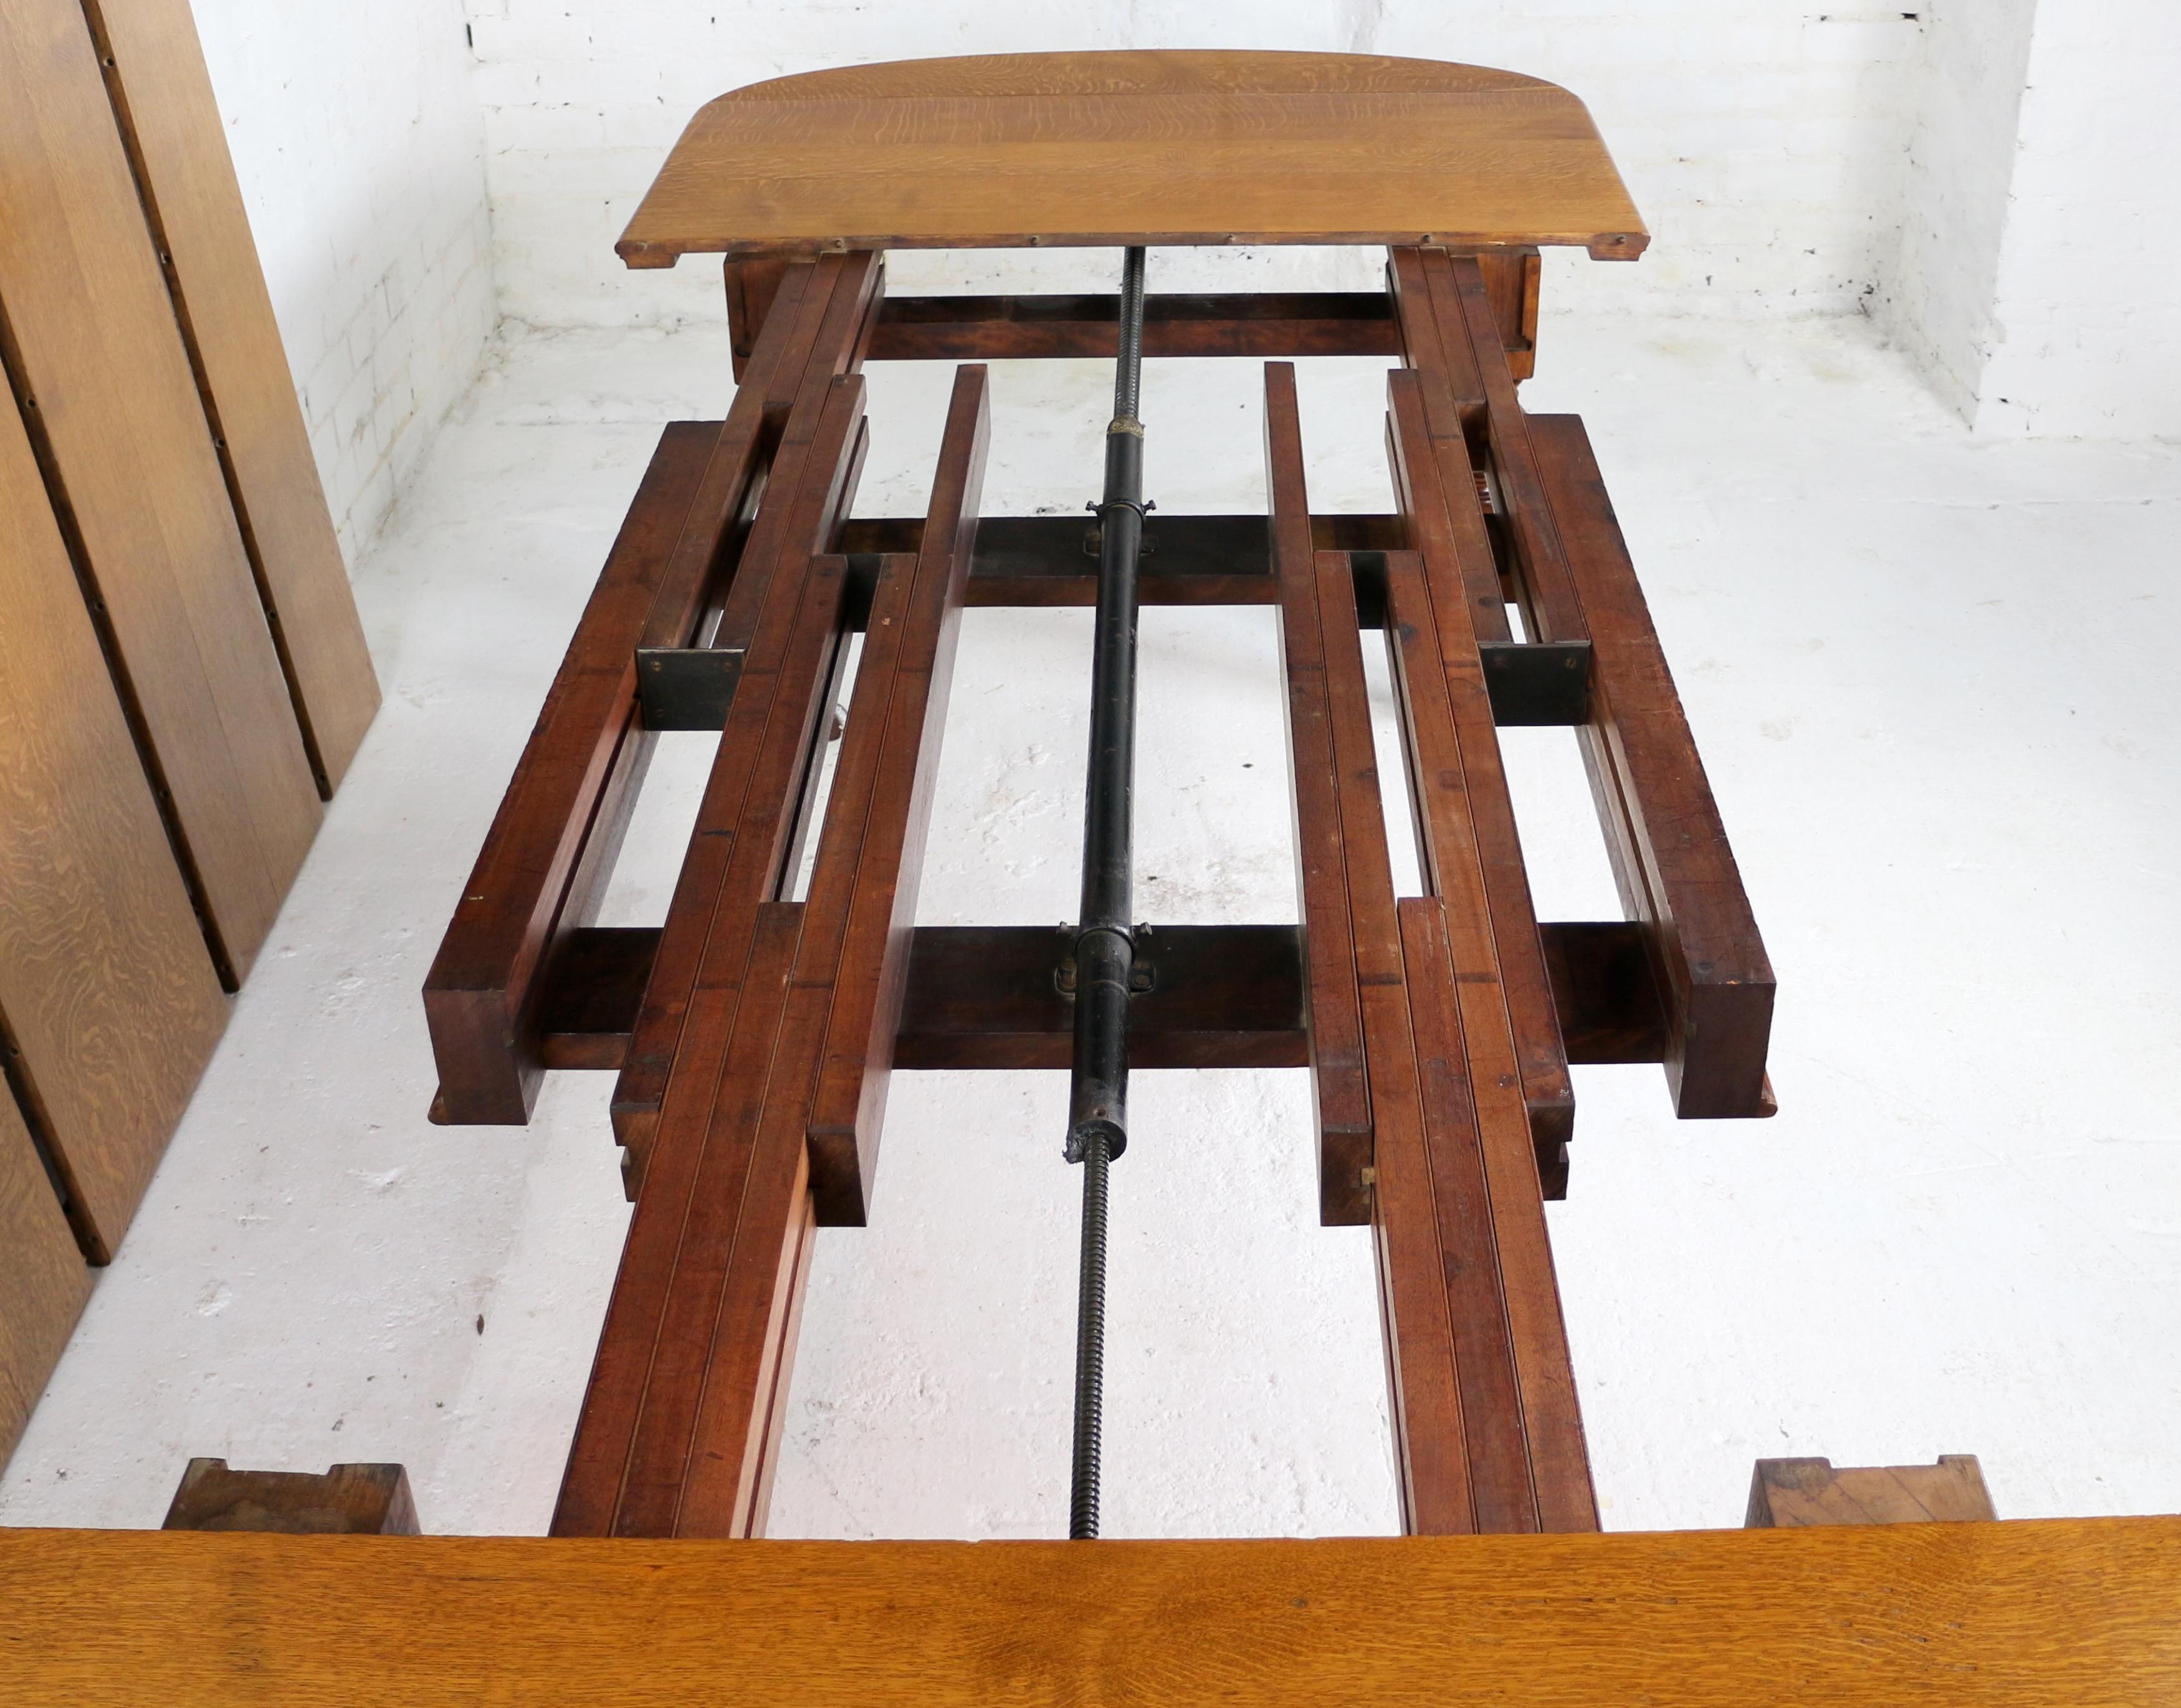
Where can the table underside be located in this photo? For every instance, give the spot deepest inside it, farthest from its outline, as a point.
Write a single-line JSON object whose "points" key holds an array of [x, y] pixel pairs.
{"points": [[753, 1032]]}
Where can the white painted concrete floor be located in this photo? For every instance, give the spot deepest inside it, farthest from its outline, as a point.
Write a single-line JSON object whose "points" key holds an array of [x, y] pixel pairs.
{"points": [[1934, 680]]}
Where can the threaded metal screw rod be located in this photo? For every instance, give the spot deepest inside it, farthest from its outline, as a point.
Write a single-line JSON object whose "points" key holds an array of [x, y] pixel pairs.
{"points": [[1105, 938], [1090, 1346]]}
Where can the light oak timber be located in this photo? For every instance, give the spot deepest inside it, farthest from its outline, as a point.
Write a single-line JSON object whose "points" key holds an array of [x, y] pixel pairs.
{"points": [[1187, 147], [43, 1279], [92, 347], [1787, 1493], [2085, 1613], [341, 1501], [107, 991], [162, 97]]}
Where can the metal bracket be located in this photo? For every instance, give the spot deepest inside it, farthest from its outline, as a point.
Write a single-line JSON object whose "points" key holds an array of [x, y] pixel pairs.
{"points": [[686, 687], [1143, 970], [1537, 681], [1094, 538]]}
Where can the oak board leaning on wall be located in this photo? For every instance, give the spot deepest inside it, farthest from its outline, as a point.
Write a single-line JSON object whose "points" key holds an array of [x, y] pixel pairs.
{"points": [[182, 671]]}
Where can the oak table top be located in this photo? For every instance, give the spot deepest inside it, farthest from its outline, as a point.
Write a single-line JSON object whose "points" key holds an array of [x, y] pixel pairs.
{"points": [[1170, 147], [2080, 1612]]}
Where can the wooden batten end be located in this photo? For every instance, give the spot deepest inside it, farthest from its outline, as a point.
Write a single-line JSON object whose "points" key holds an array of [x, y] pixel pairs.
{"points": [[1788, 1493], [344, 1501]]}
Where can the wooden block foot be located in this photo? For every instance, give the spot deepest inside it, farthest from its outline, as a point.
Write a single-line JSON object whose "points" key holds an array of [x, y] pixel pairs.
{"points": [[345, 1501], [1788, 1493]]}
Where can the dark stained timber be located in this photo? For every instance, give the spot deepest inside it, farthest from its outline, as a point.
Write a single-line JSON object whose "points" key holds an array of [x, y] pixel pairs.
{"points": [[992, 329], [1677, 876], [1221, 997], [755, 1033]]}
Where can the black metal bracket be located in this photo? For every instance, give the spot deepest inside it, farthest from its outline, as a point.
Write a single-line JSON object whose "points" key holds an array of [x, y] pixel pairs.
{"points": [[1537, 681], [1143, 970], [686, 687]]}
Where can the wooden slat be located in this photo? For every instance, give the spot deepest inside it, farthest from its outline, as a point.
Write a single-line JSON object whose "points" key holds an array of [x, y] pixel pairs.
{"points": [[1446, 1109], [1548, 1422], [1677, 876], [43, 1279], [735, 1190], [1551, 608], [985, 996], [1341, 1096], [106, 990], [1431, 1448], [1371, 1159], [785, 533], [1511, 276], [752, 285], [585, 756], [703, 1154], [90, 345], [1914, 1615], [1473, 850], [745, 821], [994, 328], [809, 488], [1449, 1200], [849, 1108], [162, 96], [631, 1458], [1434, 474], [1096, 150]]}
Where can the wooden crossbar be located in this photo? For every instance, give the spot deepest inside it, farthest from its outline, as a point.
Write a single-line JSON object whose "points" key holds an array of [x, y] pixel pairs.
{"points": [[990, 997]]}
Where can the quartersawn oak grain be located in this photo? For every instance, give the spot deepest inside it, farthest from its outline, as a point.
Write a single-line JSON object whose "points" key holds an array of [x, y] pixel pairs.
{"points": [[1012, 151], [98, 360], [105, 984], [162, 96], [43, 1279], [2085, 1613]]}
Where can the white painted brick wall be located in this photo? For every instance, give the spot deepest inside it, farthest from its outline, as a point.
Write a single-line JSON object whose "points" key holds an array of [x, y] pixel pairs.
{"points": [[2087, 306], [359, 144], [1763, 141], [1937, 293], [1808, 158]]}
